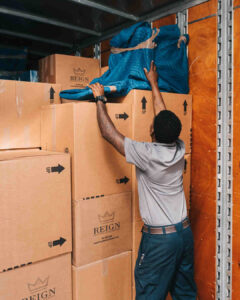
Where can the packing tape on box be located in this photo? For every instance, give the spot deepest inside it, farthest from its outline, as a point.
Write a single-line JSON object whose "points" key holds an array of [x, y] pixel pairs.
{"points": [[54, 125], [2, 87], [19, 98], [27, 142], [105, 267], [6, 138]]}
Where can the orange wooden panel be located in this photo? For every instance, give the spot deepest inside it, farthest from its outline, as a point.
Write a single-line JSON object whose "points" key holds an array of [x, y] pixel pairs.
{"points": [[88, 52], [203, 89], [204, 203], [105, 45], [235, 280], [206, 290], [202, 10], [204, 232], [202, 49], [236, 3], [236, 101], [236, 39], [236, 157], [169, 20], [204, 174], [104, 58], [203, 132]]}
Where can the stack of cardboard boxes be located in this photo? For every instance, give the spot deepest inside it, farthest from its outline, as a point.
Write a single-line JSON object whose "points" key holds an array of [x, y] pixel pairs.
{"points": [[39, 185], [35, 199]]}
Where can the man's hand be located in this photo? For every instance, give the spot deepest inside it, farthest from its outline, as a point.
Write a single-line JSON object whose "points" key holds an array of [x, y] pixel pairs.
{"points": [[97, 89], [152, 74]]}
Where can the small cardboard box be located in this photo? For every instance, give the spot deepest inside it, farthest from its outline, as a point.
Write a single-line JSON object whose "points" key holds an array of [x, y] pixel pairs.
{"points": [[101, 227], [35, 205], [72, 72], [107, 279], [97, 168], [20, 112], [142, 109], [48, 279]]}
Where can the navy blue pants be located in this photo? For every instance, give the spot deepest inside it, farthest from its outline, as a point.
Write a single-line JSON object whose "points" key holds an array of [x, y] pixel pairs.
{"points": [[165, 264]]}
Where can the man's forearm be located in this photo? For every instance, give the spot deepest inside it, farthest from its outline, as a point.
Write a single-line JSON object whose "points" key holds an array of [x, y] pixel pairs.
{"points": [[107, 128], [158, 102]]}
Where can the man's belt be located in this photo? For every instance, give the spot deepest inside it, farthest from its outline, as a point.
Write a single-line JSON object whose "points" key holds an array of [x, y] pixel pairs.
{"points": [[164, 229]]}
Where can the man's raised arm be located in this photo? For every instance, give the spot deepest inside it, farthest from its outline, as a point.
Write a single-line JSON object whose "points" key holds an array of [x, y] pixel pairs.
{"points": [[152, 76]]}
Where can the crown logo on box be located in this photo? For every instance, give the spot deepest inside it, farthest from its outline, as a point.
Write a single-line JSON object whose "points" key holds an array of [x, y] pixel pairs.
{"points": [[107, 217], [79, 71], [38, 285]]}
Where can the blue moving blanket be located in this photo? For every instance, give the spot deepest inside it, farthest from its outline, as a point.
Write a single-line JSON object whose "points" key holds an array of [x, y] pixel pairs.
{"points": [[132, 50]]}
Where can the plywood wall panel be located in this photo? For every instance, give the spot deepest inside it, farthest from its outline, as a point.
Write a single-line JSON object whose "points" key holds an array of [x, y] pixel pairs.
{"points": [[105, 45], [202, 46], [203, 132], [204, 175], [236, 3], [202, 287], [204, 232], [104, 58], [87, 52], [169, 20], [237, 37], [203, 10]]}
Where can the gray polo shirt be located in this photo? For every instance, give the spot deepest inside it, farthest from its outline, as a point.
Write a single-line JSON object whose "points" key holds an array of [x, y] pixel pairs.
{"points": [[159, 169]]}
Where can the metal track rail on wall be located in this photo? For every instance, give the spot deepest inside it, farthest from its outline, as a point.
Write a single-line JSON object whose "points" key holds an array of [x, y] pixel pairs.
{"points": [[224, 151]]}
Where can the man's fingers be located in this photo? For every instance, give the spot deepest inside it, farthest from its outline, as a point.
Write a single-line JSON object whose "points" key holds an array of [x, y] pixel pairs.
{"points": [[145, 71], [152, 64]]}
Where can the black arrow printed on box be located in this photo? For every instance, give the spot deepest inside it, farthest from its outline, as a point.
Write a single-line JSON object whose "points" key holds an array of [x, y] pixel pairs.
{"points": [[122, 116], [52, 92], [59, 242], [185, 106], [122, 180], [57, 169], [144, 104]]}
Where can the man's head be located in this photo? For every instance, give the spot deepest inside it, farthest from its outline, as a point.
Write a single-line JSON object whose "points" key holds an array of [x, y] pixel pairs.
{"points": [[167, 127]]}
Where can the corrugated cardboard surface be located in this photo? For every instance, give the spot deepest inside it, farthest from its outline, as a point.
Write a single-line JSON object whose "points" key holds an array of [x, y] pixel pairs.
{"points": [[107, 279], [72, 72], [48, 279], [101, 227], [20, 112], [35, 205], [142, 108], [97, 168]]}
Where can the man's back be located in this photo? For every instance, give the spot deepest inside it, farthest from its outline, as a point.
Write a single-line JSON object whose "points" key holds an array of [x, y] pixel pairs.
{"points": [[159, 170]]}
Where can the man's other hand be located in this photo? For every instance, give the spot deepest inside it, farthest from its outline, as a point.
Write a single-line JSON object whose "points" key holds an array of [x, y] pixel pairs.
{"points": [[152, 74], [97, 89]]}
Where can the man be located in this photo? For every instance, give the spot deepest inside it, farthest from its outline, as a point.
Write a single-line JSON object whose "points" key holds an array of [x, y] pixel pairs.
{"points": [[165, 258]]}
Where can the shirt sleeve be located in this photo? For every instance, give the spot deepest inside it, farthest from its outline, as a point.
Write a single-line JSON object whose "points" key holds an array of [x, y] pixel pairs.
{"points": [[137, 153]]}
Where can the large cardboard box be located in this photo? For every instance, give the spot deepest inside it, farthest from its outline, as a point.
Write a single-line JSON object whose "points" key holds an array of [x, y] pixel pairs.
{"points": [[35, 205], [72, 72], [101, 227], [107, 279], [48, 279], [20, 112], [97, 168], [142, 109]]}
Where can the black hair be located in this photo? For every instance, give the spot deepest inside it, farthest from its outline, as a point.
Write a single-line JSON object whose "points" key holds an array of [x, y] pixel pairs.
{"points": [[167, 127]]}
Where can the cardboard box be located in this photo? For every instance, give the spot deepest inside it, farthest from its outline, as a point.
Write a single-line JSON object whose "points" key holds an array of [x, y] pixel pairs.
{"points": [[35, 205], [104, 69], [20, 112], [101, 227], [107, 279], [186, 187], [72, 72], [97, 168], [142, 108], [48, 279]]}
